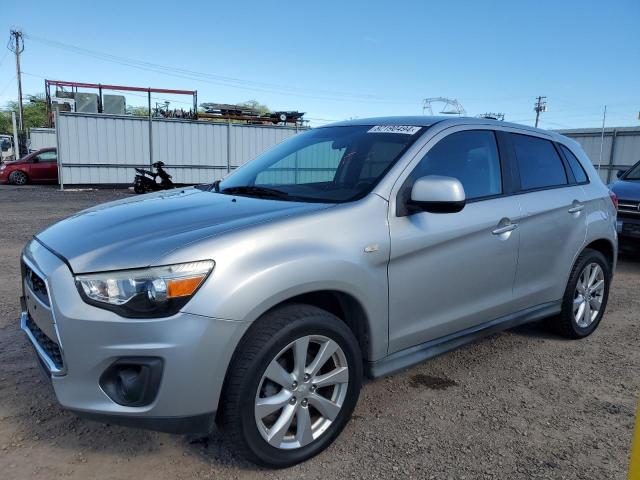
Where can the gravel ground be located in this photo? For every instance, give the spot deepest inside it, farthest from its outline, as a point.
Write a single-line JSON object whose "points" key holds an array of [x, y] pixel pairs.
{"points": [[518, 405]]}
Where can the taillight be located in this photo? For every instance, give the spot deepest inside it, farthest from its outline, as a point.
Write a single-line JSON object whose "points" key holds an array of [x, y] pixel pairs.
{"points": [[614, 199]]}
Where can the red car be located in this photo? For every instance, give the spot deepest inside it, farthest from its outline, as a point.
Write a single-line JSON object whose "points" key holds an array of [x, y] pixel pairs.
{"points": [[40, 166]]}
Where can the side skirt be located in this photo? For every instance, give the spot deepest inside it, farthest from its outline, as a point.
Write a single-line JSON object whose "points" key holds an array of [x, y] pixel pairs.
{"points": [[419, 353]]}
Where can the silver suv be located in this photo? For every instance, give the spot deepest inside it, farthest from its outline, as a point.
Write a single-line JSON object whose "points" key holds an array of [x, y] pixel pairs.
{"points": [[359, 248]]}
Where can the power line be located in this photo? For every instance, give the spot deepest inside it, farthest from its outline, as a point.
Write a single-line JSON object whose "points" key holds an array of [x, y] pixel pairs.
{"points": [[4, 57], [4, 89], [219, 79], [562, 125]]}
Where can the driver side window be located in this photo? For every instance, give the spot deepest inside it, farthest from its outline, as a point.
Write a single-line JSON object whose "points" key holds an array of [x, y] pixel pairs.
{"points": [[471, 156], [46, 157]]}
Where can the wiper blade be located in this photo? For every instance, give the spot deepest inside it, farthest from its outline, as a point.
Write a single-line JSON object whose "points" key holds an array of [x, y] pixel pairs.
{"points": [[252, 190]]}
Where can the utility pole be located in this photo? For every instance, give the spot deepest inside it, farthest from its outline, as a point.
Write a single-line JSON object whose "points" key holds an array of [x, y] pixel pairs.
{"points": [[540, 106], [16, 141], [16, 45]]}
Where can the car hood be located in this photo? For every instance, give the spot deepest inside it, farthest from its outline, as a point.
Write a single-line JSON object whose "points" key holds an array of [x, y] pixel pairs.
{"points": [[627, 189], [138, 232], [13, 162]]}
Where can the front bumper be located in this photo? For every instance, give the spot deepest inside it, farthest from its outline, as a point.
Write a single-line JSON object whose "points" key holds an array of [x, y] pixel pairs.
{"points": [[195, 351]]}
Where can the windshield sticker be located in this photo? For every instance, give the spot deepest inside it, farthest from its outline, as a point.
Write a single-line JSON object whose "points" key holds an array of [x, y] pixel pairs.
{"points": [[404, 129]]}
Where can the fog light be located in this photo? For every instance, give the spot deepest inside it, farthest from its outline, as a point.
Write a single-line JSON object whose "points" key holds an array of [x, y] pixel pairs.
{"points": [[132, 381]]}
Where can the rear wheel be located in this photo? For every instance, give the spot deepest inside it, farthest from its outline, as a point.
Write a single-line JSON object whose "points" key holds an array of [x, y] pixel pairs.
{"points": [[585, 297], [292, 386], [18, 177]]}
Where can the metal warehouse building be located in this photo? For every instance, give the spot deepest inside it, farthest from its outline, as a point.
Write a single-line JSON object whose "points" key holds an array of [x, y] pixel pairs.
{"points": [[617, 150]]}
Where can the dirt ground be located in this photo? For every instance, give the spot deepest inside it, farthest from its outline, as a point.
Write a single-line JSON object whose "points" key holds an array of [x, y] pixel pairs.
{"points": [[519, 405]]}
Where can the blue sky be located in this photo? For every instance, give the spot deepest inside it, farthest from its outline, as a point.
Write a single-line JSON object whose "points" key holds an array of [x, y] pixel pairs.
{"points": [[343, 59]]}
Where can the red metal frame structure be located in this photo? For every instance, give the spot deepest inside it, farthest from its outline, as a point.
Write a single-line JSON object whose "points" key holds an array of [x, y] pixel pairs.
{"points": [[100, 87]]}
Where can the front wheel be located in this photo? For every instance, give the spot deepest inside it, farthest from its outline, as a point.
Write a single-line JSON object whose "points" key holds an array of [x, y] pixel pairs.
{"points": [[585, 297], [18, 177], [292, 386]]}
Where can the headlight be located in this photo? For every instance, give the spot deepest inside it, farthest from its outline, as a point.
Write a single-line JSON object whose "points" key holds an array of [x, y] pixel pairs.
{"points": [[148, 292]]}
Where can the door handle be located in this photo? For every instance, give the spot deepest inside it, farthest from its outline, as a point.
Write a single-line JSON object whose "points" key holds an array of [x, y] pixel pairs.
{"points": [[507, 228], [576, 208]]}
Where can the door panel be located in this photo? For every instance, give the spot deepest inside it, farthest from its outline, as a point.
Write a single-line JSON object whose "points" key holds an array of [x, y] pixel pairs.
{"points": [[44, 167], [553, 229], [553, 224], [48, 161], [450, 272], [52, 170], [38, 171]]}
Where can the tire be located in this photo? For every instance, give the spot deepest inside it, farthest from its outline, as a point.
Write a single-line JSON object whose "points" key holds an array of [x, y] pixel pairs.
{"points": [[247, 386], [18, 177], [569, 323], [138, 188]]}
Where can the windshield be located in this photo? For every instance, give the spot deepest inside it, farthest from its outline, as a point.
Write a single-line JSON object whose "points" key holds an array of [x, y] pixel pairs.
{"points": [[331, 164], [634, 173]]}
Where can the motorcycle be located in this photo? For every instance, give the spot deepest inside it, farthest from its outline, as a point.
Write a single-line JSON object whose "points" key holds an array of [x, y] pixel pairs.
{"points": [[146, 181]]}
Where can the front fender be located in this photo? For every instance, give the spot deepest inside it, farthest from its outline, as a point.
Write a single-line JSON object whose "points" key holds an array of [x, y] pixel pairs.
{"points": [[259, 269], [252, 296]]}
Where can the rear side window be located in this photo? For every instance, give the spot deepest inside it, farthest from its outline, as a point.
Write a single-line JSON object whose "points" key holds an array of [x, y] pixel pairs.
{"points": [[539, 163], [578, 172], [471, 156]]}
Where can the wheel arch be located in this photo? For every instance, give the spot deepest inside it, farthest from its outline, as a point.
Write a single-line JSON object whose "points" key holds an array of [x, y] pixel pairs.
{"points": [[343, 305], [606, 247], [603, 245]]}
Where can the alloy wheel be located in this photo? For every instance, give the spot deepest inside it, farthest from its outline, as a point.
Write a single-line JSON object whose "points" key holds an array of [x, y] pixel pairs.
{"points": [[301, 392], [19, 178], [589, 295]]}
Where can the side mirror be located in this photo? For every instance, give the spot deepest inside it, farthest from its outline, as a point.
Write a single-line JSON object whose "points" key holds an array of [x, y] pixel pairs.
{"points": [[437, 194], [620, 173]]}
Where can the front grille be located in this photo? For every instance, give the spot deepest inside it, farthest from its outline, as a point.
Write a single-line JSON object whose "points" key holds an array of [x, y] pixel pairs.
{"points": [[49, 346], [628, 208], [36, 284]]}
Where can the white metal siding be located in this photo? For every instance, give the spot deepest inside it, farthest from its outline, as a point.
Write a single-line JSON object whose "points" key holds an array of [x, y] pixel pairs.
{"points": [[41, 138], [625, 142], [627, 149], [248, 141], [96, 149]]}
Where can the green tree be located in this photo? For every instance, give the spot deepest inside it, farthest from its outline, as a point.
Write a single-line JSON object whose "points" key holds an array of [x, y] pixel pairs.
{"points": [[137, 111], [5, 122], [35, 113], [255, 105]]}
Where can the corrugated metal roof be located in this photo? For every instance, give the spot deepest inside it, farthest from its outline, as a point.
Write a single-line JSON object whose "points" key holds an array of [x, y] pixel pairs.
{"points": [[598, 131]]}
